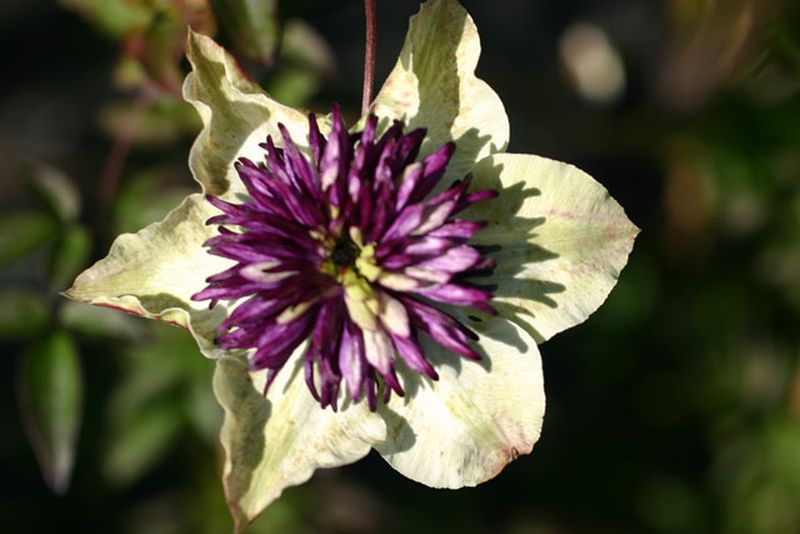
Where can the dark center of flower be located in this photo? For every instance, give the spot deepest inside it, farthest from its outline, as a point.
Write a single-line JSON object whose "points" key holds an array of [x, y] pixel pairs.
{"points": [[344, 253], [349, 247]]}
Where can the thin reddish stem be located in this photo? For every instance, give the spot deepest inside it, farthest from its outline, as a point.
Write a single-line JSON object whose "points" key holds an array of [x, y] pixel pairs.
{"points": [[369, 56]]}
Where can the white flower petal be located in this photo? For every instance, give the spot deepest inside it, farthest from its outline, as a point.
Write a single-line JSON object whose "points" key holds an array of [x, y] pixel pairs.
{"points": [[279, 441], [433, 86], [155, 272], [466, 427], [564, 240], [237, 115]]}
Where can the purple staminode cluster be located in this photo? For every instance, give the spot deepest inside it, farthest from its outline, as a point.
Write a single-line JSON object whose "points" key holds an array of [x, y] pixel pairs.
{"points": [[348, 247]]}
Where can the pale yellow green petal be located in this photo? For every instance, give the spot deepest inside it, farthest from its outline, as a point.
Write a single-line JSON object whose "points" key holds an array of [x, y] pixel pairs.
{"points": [[154, 273], [564, 240], [237, 115], [433, 86], [279, 441], [466, 427]]}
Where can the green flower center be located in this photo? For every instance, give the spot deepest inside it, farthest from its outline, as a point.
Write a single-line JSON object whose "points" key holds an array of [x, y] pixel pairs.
{"points": [[344, 253]]}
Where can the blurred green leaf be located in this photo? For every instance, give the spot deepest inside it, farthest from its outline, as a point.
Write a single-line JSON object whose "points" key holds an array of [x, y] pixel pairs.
{"points": [[128, 74], [97, 322], [157, 368], [203, 410], [669, 505], [51, 396], [56, 191], [309, 61], [144, 199], [22, 314], [305, 47], [162, 50], [293, 87], [23, 231], [163, 122], [151, 375], [757, 474], [155, 401], [70, 255], [115, 18], [139, 442], [253, 26]]}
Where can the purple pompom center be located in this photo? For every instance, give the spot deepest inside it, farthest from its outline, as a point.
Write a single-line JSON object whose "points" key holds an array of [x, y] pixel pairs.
{"points": [[349, 247]]}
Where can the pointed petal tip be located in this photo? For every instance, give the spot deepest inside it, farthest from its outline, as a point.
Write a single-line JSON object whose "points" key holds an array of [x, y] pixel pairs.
{"points": [[456, 47], [240, 520], [584, 240], [336, 113], [191, 37], [284, 131], [69, 293], [302, 438], [196, 41]]}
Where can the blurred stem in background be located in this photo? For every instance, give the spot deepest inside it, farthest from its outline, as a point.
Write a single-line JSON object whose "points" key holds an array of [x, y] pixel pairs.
{"points": [[120, 147]]}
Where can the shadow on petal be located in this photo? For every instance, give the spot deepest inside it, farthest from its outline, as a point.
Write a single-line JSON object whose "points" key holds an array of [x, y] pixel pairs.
{"points": [[202, 323], [397, 426], [236, 113], [228, 129], [162, 301], [233, 386], [510, 236], [433, 86], [501, 331], [470, 423]]}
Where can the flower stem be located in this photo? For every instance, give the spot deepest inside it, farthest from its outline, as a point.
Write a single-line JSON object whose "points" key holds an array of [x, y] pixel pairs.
{"points": [[369, 55]]}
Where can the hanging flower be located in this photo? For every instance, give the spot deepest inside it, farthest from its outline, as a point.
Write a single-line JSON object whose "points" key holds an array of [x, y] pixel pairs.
{"points": [[410, 260]]}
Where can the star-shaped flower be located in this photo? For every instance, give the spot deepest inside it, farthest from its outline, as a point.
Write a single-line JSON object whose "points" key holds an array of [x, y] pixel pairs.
{"points": [[409, 259]]}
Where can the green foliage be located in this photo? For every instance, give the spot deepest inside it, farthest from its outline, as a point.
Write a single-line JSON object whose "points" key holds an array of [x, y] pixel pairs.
{"points": [[138, 442], [293, 87], [252, 25], [56, 192], [23, 314], [23, 231], [161, 123], [164, 392], [309, 62], [675, 409], [114, 18], [144, 199], [70, 255], [98, 324], [51, 390]]}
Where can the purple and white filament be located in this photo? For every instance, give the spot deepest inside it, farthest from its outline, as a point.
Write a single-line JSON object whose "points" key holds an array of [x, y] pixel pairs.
{"points": [[349, 248]]}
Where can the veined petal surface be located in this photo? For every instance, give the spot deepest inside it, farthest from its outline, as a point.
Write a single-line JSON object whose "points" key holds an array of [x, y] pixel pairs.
{"points": [[154, 272], [480, 415], [279, 441], [563, 240], [433, 86], [237, 115]]}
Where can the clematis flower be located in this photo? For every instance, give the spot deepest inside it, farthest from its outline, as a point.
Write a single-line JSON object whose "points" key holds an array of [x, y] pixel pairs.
{"points": [[384, 287]]}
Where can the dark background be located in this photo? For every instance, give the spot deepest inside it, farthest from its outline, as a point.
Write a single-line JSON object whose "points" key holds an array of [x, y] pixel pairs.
{"points": [[675, 408]]}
